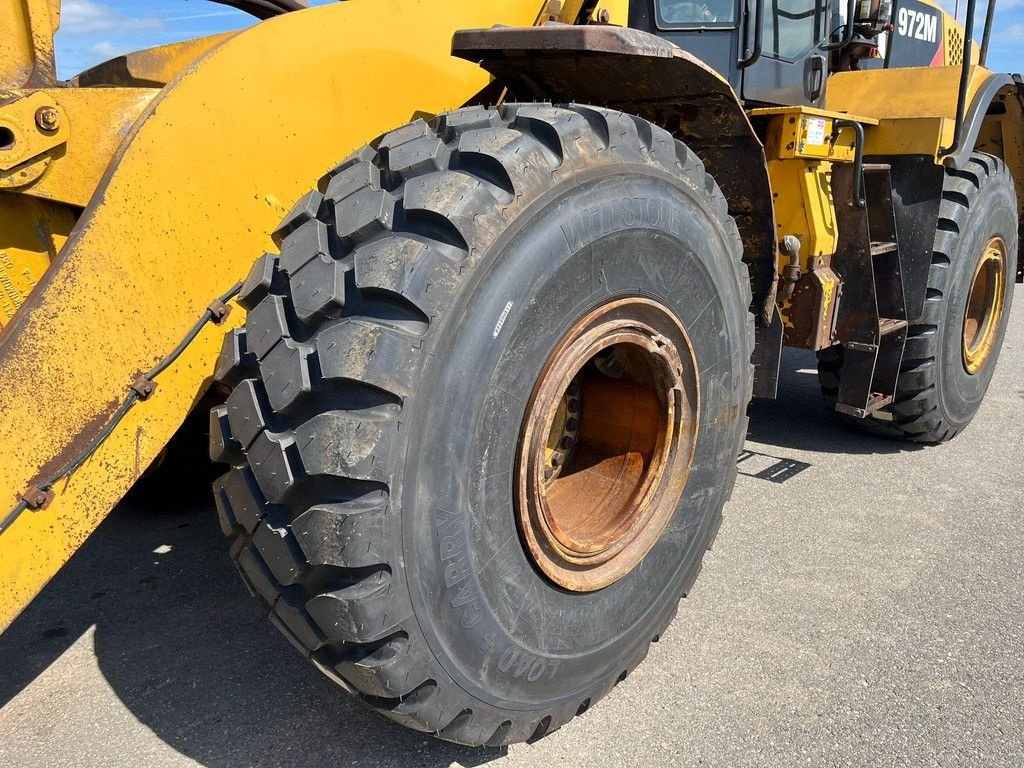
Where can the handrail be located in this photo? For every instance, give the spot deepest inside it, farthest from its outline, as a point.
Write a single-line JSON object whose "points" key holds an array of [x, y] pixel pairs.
{"points": [[848, 29], [965, 77], [755, 54], [987, 36], [891, 40], [858, 157]]}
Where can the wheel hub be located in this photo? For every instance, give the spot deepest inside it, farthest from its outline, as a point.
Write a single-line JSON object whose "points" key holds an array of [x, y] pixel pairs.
{"points": [[607, 444], [984, 306]]}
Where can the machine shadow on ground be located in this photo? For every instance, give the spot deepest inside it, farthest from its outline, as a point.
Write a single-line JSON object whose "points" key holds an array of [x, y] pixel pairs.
{"points": [[189, 654]]}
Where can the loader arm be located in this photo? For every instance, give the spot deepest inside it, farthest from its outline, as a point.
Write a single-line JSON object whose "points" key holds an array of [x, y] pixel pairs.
{"points": [[196, 186]]}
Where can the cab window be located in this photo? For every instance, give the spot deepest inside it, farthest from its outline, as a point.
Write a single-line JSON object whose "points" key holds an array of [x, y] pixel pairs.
{"points": [[680, 14], [790, 28]]}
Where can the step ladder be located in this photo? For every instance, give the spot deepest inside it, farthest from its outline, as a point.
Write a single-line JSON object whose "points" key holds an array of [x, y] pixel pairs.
{"points": [[872, 315]]}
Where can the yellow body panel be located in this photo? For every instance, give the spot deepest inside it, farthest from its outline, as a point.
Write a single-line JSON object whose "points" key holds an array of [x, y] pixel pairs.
{"points": [[800, 155], [804, 207], [32, 232], [804, 132], [915, 107], [26, 42], [208, 171]]}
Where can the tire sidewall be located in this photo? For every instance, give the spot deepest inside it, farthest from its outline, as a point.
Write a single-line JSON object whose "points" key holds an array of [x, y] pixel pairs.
{"points": [[503, 632], [960, 393]]}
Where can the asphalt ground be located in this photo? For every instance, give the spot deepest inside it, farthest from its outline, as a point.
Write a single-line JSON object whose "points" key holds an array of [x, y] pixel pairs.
{"points": [[862, 606]]}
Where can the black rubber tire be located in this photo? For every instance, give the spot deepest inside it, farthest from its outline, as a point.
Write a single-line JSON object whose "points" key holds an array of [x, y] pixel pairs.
{"points": [[936, 397], [380, 384]]}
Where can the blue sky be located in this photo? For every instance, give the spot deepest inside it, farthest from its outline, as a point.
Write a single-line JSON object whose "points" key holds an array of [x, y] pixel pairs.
{"points": [[92, 31], [95, 30]]}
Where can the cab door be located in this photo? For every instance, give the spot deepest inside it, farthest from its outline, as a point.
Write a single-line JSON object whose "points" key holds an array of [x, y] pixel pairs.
{"points": [[792, 68]]}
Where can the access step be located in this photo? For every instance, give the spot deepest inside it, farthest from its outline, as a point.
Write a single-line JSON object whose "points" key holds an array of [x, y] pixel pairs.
{"points": [[875, 402], [888, 325]]}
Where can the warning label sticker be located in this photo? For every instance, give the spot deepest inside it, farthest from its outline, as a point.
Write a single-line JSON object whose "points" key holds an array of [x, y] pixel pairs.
{"points": [[815, 130]]}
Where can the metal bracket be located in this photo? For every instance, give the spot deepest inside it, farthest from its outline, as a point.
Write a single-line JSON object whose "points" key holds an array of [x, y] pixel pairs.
{"points": [[860, 346], [219, 311], [35, 497], [30, 126], [143, 386]]}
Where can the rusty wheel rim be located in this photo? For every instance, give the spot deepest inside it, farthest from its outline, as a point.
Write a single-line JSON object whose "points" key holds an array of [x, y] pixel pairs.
{"points": [[984, 306], [607, 443]]}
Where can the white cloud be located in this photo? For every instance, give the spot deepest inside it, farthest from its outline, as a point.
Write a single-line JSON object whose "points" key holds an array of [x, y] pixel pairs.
{"points": [[1011, 34], [950, 6], [83, 17], [106, 50], [199, 16]]}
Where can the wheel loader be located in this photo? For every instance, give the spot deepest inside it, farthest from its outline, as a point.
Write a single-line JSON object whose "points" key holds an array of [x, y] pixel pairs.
{"points": [[479, 294]]}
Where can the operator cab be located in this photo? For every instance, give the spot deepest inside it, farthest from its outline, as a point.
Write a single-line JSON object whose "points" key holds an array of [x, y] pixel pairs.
{"points": [[776, 52]]}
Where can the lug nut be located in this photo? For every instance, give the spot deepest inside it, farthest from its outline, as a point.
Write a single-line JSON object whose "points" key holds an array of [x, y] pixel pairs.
{"points": [[47, 118], [557, 459], [566, 443], [573, 405], [574, 389], [572, 425], [548, 473]]}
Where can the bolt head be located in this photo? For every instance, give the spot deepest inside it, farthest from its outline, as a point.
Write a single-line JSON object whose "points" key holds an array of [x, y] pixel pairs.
{"points": [[603, 16], [47, 118]]}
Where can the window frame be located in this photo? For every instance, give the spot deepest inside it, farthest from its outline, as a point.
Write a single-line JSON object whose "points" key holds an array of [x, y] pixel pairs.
{"points": [[821, 9], [670, 26]]}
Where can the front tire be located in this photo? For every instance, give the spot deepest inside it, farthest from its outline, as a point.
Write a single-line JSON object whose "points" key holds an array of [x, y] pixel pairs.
{"points": [[382, 391]]}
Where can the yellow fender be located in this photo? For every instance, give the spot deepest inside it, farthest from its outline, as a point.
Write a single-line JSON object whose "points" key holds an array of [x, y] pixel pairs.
{"points": [[188, 203]]}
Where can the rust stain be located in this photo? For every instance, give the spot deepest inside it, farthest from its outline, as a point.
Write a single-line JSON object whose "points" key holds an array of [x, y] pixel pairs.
{"points": [[76, 445], [138, 452]]}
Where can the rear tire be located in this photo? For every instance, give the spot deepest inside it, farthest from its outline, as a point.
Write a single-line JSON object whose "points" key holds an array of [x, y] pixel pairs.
{"points": [[380, 386], [937, 396]]}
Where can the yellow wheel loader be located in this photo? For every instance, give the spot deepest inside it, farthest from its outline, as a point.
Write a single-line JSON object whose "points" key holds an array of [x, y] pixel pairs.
{"points": [[480, 292]]}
